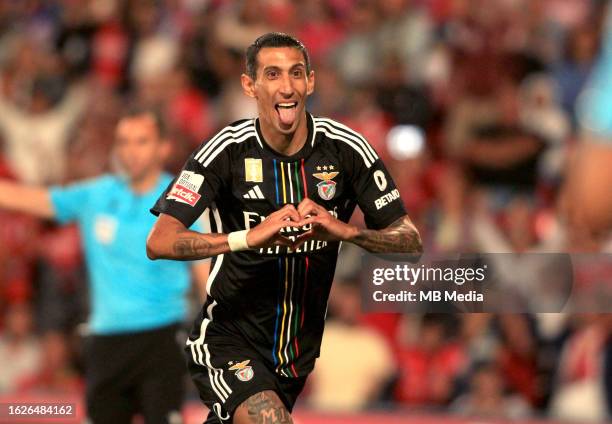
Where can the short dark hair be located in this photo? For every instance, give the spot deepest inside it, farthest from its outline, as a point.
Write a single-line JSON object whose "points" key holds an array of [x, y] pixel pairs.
{"points": [[273, 39], [136, 111]]}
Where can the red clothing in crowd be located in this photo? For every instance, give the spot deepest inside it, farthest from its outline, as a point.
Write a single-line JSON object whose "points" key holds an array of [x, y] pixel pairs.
{"points": [[427, 377]]}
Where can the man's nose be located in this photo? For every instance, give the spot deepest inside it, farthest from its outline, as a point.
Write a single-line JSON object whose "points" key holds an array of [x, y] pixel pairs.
{"points": [[286, 88]]}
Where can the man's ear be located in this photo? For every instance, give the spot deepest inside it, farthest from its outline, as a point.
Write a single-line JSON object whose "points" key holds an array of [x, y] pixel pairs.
{"points": [[311, 83], [248, 85]]}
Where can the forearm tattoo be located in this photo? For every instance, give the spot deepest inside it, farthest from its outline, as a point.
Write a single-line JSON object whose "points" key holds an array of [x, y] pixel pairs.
{"points": [[192, 245], [266, 408], [399, 237]]}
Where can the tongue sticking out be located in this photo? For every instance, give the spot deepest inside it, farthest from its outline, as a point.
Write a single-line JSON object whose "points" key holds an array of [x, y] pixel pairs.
{"points": [[287, 115]]}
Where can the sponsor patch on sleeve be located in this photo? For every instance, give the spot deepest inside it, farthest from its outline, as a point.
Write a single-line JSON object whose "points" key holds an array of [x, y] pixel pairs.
{"points": [[387, 198], [186, 188]]}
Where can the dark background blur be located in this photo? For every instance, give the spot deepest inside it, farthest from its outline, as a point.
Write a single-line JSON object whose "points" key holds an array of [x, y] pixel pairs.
{"points": [[472, 104]]}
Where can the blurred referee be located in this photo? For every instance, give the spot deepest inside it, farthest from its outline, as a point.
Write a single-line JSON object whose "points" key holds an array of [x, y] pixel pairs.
{"points": [[134, 363]]}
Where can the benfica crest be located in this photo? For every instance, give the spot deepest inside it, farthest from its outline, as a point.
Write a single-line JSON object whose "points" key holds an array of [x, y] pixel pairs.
{"points": [[327, 187], [244, 372]]}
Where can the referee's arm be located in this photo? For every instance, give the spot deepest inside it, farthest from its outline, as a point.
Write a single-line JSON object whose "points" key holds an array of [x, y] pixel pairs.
{"points": [[27, 199]]}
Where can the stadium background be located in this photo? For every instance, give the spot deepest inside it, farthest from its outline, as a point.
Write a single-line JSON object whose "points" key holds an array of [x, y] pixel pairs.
{"points": [[471, 82]]}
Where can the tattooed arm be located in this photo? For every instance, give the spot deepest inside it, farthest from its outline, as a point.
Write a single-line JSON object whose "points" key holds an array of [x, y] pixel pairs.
{"points": [[170, 239], [262, 408], [399, 237]]}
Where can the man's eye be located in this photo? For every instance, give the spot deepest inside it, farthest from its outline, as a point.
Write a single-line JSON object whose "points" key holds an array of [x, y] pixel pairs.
{"points": [[272, 74], [297, 73]]}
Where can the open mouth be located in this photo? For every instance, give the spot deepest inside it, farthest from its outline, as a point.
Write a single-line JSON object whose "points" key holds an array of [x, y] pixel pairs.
{"points": [[286, 112]]}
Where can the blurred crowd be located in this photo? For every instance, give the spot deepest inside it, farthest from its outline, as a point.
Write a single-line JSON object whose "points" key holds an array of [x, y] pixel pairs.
{"points": [[474, 105]]}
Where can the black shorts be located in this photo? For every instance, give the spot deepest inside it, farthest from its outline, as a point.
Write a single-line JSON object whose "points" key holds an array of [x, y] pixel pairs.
{"points": [[130, 373], [227, 371]]}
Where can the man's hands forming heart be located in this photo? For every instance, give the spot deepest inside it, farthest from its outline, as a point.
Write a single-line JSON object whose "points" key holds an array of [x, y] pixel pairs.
{"points": [[314, 218]]}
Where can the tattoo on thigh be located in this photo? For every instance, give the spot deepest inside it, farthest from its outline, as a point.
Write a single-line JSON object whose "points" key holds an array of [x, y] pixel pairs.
{"points": [[266, 408]]}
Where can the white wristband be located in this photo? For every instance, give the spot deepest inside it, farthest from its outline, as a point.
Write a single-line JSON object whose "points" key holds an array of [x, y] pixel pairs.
{"points": [[237, 240]]}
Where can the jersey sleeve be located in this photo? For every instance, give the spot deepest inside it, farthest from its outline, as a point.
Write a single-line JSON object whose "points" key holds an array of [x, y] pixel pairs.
{"points": [[195, 188], [375, 191], [69, 202]]}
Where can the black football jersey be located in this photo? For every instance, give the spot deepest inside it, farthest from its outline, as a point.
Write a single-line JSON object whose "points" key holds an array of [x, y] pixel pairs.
{"points": [[275, 298]]}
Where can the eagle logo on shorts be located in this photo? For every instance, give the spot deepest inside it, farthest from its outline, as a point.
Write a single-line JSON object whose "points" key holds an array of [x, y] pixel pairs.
{"points": [[244, 372], [327, 187]]}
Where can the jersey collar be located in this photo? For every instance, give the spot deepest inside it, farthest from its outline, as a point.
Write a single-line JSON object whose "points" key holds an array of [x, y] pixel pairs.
{"points": [[302, 153]]}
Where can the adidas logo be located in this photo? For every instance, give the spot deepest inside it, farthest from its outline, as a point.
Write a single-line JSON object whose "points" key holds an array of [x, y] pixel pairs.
{"points": [[254, 193]]}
